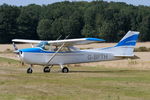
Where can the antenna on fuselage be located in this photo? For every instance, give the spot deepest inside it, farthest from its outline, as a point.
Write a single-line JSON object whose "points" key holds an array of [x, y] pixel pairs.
{"points": [[59, 37]]}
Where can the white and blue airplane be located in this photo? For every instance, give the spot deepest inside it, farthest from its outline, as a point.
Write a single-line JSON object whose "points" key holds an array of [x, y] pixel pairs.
{"points": [[63, 52]]}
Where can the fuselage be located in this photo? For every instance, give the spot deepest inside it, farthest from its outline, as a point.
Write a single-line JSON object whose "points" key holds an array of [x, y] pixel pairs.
{"points": [[38, 56]]}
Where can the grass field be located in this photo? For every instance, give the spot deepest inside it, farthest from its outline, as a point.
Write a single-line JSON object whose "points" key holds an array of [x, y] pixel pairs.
{"points": [[82, 83]]}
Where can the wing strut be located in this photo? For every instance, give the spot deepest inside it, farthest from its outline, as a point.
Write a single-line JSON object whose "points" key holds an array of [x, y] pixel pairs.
{"points": [[56, 52]]}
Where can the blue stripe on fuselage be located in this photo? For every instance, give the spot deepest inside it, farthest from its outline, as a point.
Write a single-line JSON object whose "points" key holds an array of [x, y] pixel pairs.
{"points": [[40, 50]]}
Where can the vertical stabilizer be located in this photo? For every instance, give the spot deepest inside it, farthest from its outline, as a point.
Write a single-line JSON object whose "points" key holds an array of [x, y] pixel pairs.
{"points": [[129, 39], [126, 45]]}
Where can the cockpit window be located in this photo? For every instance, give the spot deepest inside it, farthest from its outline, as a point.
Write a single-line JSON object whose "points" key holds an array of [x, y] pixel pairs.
{"points": [[49, 47], [64, 49], [42, 44]]}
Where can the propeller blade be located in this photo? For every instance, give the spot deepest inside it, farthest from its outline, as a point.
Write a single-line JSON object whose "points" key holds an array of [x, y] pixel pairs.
{"points": [[15, 47]]}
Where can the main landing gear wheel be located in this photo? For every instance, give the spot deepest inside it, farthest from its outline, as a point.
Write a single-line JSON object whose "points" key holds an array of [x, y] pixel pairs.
{"points": [[65, 70], [46, 70], [29, 70]]}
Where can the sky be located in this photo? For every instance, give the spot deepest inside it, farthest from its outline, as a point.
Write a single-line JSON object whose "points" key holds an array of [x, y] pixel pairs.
{"points": [[45, 2]]}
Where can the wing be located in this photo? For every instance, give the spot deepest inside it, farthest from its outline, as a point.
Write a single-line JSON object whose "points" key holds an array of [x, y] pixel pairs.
{"points": [[67, 42], [26, 41], [75, 41]]}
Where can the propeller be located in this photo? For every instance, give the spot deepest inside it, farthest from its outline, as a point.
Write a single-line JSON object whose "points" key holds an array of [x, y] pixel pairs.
{"points": [[15, 47], [18, 52]]}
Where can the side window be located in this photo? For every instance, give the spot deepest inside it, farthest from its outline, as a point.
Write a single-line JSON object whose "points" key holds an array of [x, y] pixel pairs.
{"points": [[55, 48], [46, 47], [64, 49]]}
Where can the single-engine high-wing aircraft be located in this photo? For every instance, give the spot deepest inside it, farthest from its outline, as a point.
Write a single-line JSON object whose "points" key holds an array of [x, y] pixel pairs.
{"points": [[63, 52]]}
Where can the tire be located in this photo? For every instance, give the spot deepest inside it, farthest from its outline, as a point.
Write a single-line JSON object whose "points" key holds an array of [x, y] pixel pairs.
{"points": [[46, 70], [29, 70], [65, 70]]}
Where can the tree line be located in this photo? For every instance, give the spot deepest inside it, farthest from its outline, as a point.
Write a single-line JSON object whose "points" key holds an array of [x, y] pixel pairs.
{"points": [[99, 19]]}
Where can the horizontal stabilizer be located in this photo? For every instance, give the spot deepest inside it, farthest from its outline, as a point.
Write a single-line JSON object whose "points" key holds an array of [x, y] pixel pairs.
{"points": [[129, 56]]}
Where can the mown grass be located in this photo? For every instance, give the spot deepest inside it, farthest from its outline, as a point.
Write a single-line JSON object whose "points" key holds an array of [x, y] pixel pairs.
{"points": [[82, 83], [6, 60]]}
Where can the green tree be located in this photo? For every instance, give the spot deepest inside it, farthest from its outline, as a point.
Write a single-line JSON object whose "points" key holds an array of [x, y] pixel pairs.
{"points": [[8, 23], [44, 29], [145, 29], [100, 19], [89, 20], [28, 22]]}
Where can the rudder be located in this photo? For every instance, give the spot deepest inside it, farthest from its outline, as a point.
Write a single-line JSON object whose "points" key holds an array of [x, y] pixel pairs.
{"points": [[129, 39], [125, 47]]}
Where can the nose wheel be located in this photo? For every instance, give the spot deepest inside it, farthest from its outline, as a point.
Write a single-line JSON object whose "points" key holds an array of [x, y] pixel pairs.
{"points": [[29, 70]]}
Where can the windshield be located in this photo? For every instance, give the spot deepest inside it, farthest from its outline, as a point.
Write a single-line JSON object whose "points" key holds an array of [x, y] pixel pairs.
{"points": [[42, 44]]}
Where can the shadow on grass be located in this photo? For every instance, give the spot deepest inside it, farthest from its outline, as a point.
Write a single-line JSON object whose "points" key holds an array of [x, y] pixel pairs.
{"points": [[109, 71]]}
